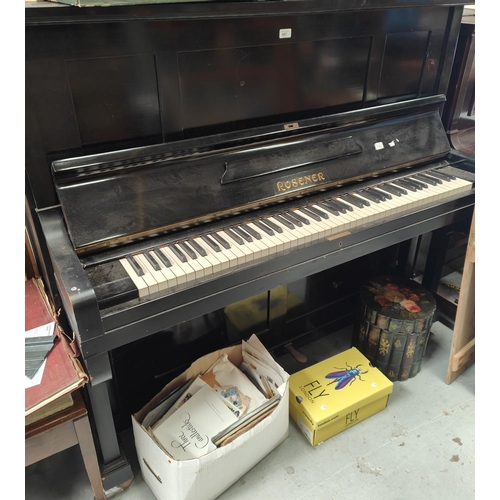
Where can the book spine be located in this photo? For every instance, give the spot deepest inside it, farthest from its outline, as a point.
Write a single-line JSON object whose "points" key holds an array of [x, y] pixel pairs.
{"points": [[360, 334], [396, 356], [409, 356], [384, 350], [419, 354], [372, 343]]}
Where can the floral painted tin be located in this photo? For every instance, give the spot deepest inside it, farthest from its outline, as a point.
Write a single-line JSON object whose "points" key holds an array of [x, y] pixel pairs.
{"points": [[392, 328]]}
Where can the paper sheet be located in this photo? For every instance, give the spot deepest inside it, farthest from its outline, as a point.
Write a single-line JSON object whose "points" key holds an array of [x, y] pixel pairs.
{"points": [[40, 331]]}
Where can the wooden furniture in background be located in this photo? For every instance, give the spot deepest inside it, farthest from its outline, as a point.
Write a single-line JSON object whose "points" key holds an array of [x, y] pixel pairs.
{"points": [[61, 431], [463, 342]]}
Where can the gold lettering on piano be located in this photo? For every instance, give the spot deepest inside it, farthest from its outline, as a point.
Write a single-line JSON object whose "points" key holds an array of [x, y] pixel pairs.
{"points": [[290, 183]]}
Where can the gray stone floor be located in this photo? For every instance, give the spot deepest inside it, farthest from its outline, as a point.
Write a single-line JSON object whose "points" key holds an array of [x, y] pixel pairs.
{"points": [[422, 446]]}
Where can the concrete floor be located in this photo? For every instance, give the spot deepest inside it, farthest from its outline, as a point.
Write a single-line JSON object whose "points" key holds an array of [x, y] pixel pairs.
{"points": [[422, 446]]}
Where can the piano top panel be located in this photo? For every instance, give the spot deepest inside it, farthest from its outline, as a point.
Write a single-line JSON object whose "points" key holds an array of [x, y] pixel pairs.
{"points": [[101, 80], [46, 12]]}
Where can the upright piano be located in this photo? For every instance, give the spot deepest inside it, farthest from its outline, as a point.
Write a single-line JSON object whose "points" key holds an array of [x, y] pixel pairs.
{"points": [[191, 165]]}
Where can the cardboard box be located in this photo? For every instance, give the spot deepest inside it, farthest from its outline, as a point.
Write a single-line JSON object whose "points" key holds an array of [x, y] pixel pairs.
{"points": [[336, 394], [207, 477]]}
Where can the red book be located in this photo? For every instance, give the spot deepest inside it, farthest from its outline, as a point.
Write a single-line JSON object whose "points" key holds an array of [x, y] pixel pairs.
{"points": [[63, 372]]}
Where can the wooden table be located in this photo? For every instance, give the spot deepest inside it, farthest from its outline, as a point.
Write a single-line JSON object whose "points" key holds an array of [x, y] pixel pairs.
{"points": [[60, 431]]}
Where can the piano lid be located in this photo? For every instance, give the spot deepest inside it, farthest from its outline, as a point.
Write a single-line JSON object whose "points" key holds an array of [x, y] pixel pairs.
{"points": [[115, 198]]}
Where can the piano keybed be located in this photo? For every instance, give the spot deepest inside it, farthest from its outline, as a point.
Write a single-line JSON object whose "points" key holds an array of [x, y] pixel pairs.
{"points": [[187, 261]]}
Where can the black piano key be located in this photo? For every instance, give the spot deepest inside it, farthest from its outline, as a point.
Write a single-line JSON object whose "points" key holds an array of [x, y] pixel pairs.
{"points": [[317, 211], [300, 218], [337, 206], [233, 236], [428, 175], [385, 195], [151, 260], [197, 247], [218, 237], [418, 185], [369, 196], [242, 233], [360, 198], [188, 249], [178, 253], [288, 216], [135, 265], [252, 231], [272, 225], [392, 189], [284, 221], [418, 181], [405, 185], [310, 214], [264, 227], [427, 178], [211, 243], [162, 257], [442, 175], [355, 201], [343, 205], [329, 208]]}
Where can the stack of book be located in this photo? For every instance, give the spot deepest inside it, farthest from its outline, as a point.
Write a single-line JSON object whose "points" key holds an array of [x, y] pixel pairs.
{"points": [[218, 405], [50, 389]]}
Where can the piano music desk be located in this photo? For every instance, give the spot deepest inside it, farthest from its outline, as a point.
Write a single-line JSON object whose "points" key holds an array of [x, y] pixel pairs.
{"points": [[60, 431]]}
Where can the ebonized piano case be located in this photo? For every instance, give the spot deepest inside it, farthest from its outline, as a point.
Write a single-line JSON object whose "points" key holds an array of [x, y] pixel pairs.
{"points": [[152, 124]]}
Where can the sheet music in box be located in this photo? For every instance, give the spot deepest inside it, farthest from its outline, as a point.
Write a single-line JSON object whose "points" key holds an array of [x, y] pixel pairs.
{"points": [[187, 433]]}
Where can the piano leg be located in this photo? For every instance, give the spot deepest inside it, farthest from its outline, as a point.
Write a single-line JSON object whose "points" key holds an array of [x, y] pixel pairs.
{"points": [[115, 468]]}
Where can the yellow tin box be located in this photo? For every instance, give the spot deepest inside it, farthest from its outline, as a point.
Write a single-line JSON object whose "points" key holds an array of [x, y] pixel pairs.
{"points": [[336, 394]]}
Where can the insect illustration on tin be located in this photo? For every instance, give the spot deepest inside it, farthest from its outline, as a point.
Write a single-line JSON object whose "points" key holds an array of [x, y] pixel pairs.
{"points": [[345, 377]]}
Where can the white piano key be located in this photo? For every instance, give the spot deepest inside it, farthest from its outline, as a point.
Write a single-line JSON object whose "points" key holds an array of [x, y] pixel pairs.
{"points": [[156, 275], [322, 230], [274, 245], [166, 271], [252, 250], [293, 236], [234, 251], [176, 268], [348, 219], [139, 283], [153, 286], [280, 236], [215, 262], [264, 249], [305, 230], [201, 261], [358, 216], [313, 230], [192, 263], [357, 213]]}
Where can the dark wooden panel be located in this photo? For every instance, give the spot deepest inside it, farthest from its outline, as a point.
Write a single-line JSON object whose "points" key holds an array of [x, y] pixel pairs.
{"points": [[115, 98]]}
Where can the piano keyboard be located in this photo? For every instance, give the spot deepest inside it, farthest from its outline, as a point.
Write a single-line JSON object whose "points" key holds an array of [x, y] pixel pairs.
{"points": [[164, 267]]}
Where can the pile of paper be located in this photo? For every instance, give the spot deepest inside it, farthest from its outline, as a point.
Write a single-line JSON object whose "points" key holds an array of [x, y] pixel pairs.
{"points": [[218, 405]]}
